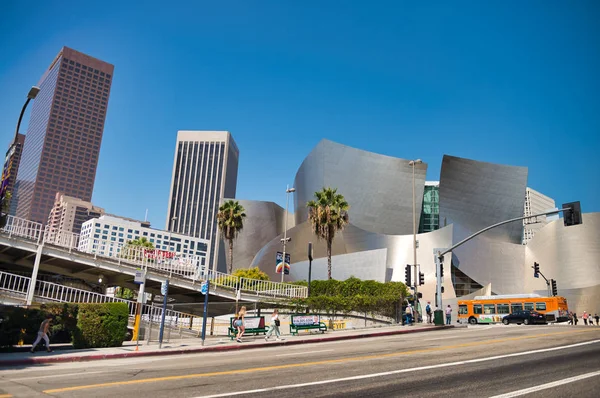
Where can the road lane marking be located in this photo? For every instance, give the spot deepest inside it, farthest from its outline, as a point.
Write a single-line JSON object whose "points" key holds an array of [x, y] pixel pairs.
{"points": [[547, 385], [395, 372], [314, 363], [307, 352], [55, 376]]}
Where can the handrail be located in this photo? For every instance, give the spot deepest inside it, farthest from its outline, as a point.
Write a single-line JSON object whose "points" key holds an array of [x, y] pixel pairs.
{"points": [[183, 265]]}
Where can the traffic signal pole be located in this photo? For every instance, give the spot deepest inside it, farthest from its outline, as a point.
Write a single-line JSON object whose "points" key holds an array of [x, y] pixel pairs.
{"points": [[572, 212]]}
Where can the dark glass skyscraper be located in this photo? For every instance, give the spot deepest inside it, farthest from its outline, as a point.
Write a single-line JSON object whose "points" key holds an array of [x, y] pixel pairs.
{"points": [[204, 173], [65, 130]]}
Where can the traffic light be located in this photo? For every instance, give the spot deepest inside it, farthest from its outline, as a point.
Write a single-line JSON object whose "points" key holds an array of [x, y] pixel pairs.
{"points": [[572, 216], [407, 276], [554, 289], [536, 270], [441, 267], [421, 278]]}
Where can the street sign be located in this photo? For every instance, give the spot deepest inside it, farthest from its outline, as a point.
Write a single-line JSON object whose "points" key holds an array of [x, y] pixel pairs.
{"points": [[203, 288], [164, 287], [139, 277]]}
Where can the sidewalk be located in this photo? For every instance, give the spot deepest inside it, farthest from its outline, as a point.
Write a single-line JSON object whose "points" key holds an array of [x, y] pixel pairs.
{"points": [[194, 345]]}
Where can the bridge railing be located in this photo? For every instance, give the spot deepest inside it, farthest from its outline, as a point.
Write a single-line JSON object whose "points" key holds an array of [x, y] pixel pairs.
{"points": [[255, 286], [184, 265], [16, 226], [14, 283]]}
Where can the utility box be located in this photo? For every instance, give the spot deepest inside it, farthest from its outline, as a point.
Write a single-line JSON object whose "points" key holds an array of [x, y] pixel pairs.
{"points": [[438, 318]]}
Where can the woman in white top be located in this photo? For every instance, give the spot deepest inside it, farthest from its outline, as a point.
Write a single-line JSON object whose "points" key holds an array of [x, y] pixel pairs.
{"points": [[274, 326]]}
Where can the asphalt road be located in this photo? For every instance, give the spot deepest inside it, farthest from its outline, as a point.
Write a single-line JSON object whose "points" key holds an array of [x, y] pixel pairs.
{"points": [[486, 361]]}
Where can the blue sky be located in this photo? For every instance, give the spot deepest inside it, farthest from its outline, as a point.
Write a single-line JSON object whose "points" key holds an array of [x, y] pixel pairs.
{"points": [[508, 82]]}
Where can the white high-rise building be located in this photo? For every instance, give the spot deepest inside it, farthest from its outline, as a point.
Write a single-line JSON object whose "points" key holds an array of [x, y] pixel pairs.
{"points": [[107, 234], [535, 203], [204, 172]]}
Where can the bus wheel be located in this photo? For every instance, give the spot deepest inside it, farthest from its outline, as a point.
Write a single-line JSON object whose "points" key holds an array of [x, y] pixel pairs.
{"points": [[505, 321], [473, 320]]}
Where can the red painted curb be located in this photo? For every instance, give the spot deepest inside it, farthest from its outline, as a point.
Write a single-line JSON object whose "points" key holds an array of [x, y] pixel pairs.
{"points": [[135, 354]]}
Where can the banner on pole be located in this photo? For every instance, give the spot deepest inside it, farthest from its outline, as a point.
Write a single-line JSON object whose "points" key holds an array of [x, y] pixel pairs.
{"points": [[280, 264]]}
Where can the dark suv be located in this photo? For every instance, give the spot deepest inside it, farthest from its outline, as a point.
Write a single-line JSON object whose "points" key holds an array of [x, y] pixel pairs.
{"points": [[526, 317]]}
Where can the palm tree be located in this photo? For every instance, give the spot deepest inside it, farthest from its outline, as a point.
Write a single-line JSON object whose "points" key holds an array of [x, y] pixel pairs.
{"points": [[230, 220], [328, 214], [142, 242]]}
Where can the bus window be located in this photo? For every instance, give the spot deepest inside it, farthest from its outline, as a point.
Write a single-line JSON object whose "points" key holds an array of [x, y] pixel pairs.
{"points": [[514, 307], [477, 309], [462, 310], [503, 309], [528, 306], [540, 306], [489, 309]]}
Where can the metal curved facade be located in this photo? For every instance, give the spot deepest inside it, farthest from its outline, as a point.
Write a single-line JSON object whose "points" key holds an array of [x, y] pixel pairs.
{"points": [[570, 255], [264, 221], [477, 194], [377, 187], [377, 244]]}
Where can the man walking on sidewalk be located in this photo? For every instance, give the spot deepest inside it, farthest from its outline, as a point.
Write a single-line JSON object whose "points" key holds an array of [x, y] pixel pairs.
{"points": [[448, 314], [43, 334], [428, 312]]}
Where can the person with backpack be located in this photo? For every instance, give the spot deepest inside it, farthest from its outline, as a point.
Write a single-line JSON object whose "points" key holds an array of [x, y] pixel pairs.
{"points": [[275, 323], [428, 312]]}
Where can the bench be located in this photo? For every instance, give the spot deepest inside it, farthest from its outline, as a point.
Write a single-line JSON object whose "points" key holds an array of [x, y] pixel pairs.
{"points": [[300, 322], [254, 326]]}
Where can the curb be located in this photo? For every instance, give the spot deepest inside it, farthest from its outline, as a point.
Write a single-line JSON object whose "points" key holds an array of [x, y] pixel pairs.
{"points": [[134, 354]]}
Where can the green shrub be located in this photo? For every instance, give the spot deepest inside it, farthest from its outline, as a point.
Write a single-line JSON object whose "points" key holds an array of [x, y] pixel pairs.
{"points": [[251, 273], [17, 324], [101, 325], [64, 321]]}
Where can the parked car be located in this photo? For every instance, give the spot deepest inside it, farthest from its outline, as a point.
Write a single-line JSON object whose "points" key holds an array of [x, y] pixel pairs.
{"points": [[526, 317]]}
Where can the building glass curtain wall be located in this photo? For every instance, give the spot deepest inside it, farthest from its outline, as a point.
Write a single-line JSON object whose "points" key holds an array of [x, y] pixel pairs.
{"points": [[430, 212], [65, 130], [204, 172]]}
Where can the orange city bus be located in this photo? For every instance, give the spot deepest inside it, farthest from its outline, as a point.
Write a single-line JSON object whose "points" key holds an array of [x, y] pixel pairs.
{"points": [[491, 309]]}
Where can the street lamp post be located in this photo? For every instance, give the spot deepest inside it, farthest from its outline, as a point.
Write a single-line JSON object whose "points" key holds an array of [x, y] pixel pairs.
{"points": [[33, 92], [285, 239], [416, 272]]}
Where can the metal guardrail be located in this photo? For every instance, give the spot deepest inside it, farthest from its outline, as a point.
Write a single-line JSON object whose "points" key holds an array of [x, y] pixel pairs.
{"points": [[182, 265]]}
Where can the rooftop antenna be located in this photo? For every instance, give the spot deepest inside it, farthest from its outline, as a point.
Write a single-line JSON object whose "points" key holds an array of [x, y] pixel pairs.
{"points": [[146, 217]]}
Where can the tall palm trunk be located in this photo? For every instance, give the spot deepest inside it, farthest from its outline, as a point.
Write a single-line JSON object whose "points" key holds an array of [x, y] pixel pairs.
{"points": [[329, 258], [230, 256]]}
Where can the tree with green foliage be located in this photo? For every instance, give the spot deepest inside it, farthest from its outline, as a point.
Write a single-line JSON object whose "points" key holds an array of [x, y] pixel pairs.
{"points": [[124, 293], [230, 220], [328, 214], [251, 273], [141, 242]]}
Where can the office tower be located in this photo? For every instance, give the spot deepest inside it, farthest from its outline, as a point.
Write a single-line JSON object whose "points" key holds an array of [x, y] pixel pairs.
{"points": [[69, 213], [63, 138], [535, 203], [11, 168], [204, 172]]}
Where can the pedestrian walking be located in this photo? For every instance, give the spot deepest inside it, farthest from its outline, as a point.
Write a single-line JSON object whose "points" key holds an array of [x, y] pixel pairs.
{"points": [[409, 314], [275, 323], [597, 319], [428, 311], [570, 316], [239, 324], [448, 314], [585, 317], [575, 318], [43, 334]]}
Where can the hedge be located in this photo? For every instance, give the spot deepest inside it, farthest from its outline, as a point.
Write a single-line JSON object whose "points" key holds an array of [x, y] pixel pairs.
{"points": [[101, 325], [22, 324], [335, 297], [86, 325]]}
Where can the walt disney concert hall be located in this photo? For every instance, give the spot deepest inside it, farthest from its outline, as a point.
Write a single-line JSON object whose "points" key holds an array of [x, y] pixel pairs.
{"points": [[378, 242]]}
